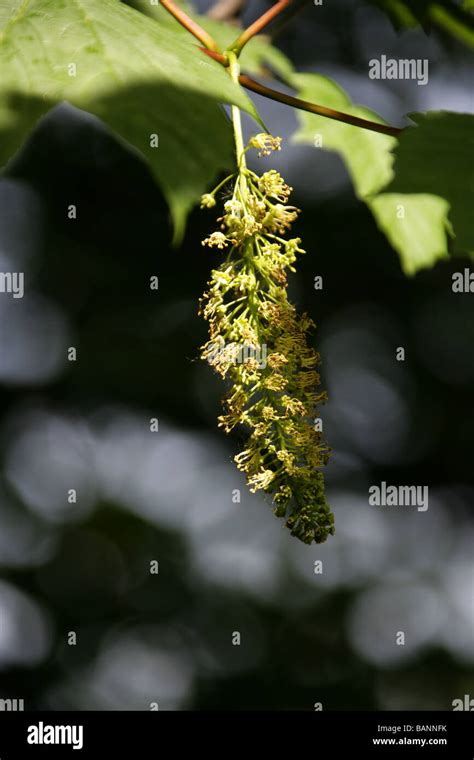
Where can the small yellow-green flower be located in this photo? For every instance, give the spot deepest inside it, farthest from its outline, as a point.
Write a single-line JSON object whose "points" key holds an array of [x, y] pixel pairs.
{"points": [[208, 201], [265, 143]]}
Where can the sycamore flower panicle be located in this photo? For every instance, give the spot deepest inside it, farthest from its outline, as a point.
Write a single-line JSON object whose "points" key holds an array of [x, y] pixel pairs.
{"points": [[246, 305]]}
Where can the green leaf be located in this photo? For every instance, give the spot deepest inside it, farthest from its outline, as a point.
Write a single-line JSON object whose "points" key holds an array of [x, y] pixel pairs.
{"points": [[367, 154], [139, 78], [259, 54], [415, 224], [159, 12], [437, 156], [398, 12], [449, 16]]}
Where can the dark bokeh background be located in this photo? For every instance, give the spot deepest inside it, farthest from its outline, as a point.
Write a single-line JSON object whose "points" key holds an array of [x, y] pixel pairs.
{"points": [[167, 496]]}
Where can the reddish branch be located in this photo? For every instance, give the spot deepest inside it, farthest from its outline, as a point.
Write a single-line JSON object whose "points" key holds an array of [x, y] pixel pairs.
{"points": [[188, 23], [219, 57], [260, 24], [304, 105], [211, 49]]}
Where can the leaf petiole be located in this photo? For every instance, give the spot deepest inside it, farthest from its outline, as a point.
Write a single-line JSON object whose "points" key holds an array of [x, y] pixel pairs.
{"points": [[191, 25]]}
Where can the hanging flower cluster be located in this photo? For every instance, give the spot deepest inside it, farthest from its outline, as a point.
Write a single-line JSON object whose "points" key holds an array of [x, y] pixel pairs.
{"points": [[259, 343]]}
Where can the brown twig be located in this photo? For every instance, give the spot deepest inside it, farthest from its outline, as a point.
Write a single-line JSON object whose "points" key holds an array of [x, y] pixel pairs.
{"points": [[329, 113], [188, 23], [305, 105]]}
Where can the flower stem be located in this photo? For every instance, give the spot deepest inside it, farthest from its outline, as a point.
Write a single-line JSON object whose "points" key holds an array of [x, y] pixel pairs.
{"points": [[221, 184], [234, 70]]}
